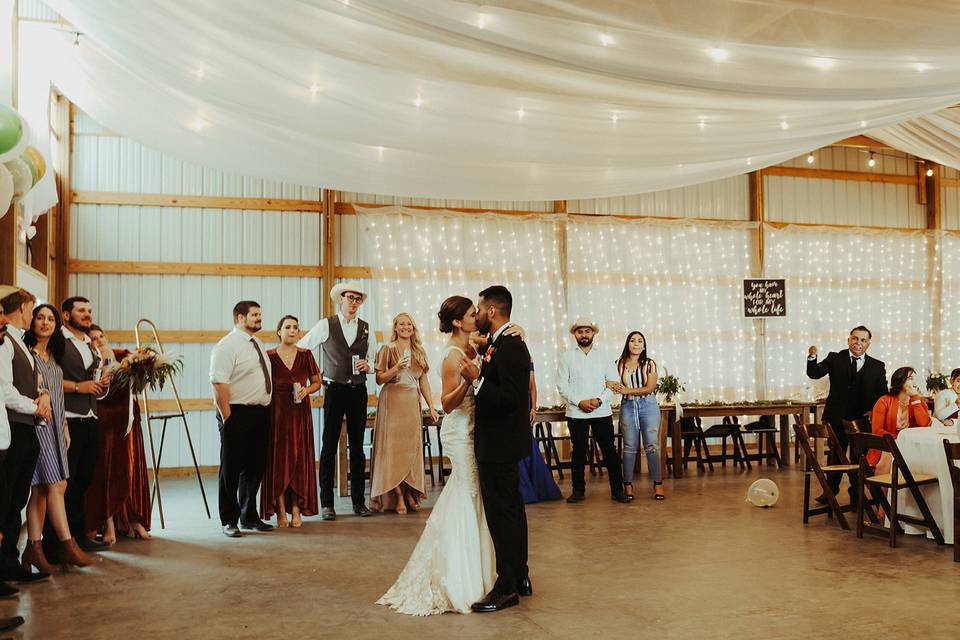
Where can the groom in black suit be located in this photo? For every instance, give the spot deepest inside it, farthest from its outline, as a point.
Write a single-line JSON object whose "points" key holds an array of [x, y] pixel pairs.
{"points": [[501, 440], [856, 381]]}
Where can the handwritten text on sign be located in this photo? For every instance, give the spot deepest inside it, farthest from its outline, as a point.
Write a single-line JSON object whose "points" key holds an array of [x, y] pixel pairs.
{"points": [[764, 298]]}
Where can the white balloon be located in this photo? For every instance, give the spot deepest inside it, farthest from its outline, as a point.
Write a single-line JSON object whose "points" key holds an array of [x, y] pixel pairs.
{"points": [[31, 232], [763, 493], [22, 177], [6, 190]]}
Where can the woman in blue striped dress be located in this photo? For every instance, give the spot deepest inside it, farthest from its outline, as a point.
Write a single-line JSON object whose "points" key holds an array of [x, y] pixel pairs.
{"points": [[46, 340]]}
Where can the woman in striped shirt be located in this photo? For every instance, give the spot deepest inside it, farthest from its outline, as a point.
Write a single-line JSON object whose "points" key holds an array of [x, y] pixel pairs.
{"points": [[639, 411]]}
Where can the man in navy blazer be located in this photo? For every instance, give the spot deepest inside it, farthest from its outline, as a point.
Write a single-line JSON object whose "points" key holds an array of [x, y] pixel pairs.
{"points": [[856, 381]]}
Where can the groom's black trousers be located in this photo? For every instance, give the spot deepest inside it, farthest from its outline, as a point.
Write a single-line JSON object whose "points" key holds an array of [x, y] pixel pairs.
{"points": [[507, 521]]}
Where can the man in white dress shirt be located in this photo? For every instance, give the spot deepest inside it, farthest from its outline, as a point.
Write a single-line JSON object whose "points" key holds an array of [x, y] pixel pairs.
{"points": [[25, 404], [349, 350], [6, 591], [242, 387], [582, 382]]}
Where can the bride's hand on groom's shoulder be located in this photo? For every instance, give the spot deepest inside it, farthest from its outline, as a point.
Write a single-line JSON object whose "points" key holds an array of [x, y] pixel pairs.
{"points": [[516, 330]]}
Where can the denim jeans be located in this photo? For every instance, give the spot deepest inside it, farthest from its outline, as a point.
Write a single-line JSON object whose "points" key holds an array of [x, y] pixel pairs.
{"points": [[640, 418]]}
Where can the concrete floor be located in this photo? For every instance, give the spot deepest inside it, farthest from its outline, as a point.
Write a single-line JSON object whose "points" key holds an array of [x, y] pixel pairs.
{"points": [[703, 563]]}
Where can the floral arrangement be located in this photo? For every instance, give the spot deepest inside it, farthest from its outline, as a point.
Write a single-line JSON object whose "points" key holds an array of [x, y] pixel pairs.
{"points": [[936, 382], [143, 368], [669, 385]]}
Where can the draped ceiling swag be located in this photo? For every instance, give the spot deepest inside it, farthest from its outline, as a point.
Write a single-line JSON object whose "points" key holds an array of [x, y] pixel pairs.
{"points": [[526, 100]]}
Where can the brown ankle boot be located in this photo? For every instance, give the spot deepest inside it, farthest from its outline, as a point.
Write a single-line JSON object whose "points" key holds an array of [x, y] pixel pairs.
{"points": [[70, 553], [33, 557]]}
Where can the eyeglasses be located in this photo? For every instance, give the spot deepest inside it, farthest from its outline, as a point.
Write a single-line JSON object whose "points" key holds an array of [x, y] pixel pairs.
{"points": [[353, 298]]}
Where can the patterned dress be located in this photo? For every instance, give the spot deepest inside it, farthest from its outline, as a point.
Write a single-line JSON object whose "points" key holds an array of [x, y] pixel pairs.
{"points": [[52, 463]]}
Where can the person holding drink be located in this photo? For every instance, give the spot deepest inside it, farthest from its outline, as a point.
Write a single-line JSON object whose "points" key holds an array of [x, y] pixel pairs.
{"points": [[397, 481], [288, 485]]}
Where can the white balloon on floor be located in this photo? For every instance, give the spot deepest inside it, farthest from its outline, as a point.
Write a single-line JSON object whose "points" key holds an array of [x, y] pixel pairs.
{"points": [[763, 493]]}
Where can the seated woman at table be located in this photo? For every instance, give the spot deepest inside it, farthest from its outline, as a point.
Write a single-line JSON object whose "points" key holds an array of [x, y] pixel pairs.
{"points": [[946, 404], [902, 407]]}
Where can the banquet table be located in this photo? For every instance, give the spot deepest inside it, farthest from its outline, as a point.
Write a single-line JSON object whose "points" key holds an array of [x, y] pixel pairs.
{"points": [[922, 449]]}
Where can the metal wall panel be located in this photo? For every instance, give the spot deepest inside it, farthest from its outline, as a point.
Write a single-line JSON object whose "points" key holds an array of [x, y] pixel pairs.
{"points": [[816, 201], [35, 10], [727, 199], [103, 161]]}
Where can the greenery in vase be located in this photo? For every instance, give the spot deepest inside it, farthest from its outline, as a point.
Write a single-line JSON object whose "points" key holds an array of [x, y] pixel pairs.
{"points": [[669, 386], [937, 382]]}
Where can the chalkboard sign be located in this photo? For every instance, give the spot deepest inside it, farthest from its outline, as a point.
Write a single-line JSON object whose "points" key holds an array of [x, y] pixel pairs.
{"points": [[764, 298]]}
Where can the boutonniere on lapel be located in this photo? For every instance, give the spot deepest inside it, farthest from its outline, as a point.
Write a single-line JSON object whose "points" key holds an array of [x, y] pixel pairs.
{"points": [[489, 354], [363, 335]]}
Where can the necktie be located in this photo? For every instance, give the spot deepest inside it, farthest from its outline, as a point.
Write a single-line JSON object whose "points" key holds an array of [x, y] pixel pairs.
{"points": [[263, 367], [853, 364]]}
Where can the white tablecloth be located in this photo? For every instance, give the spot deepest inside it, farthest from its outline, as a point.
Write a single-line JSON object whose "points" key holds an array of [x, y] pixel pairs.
{"points": [[922, 449]]}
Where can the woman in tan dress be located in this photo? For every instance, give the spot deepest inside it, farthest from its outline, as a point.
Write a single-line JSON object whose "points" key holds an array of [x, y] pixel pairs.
{"points": [[398, 482]]}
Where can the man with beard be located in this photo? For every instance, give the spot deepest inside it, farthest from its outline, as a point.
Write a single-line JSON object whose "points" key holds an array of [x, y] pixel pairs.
{"points": [[582, 382], [242, 387], [80, 393]]}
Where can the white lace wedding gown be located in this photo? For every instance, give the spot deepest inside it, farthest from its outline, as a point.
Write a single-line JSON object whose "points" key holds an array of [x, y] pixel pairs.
{"points": [[453, 564]]}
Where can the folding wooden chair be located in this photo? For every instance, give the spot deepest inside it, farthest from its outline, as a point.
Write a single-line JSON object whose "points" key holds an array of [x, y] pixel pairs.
{"points": [[864, 442], [692, 439], [812, 466], [953, 455], [767, 435], [730, 428]]}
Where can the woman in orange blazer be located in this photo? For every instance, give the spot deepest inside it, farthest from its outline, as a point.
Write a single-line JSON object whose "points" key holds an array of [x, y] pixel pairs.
{"points": [[899, 409]]}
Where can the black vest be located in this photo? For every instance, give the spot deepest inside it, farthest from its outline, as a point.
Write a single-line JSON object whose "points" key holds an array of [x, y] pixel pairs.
{"points": [[851, 409], [73, 370], [24, 380], [338, 355]]}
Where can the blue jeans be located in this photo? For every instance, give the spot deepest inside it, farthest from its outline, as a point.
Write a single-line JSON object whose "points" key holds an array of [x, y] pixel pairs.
{"points": [[640, 417]]}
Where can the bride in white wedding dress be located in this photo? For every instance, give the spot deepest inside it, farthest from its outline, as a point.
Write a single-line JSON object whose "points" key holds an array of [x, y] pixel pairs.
{"points": [[453, 564]]}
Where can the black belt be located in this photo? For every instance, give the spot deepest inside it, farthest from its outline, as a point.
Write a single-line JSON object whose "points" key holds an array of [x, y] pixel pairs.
{"points": [[345, 385]]}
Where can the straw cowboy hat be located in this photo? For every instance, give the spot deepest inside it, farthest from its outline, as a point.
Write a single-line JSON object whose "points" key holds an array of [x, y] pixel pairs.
{"points": [[347, 287], [584, 322]]}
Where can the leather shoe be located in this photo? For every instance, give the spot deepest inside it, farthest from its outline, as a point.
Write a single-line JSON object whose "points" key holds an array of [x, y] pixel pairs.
{"points": [[576, 496], [496, 602], [14, 572], [620, 497], [362, 510], [327, 513], [6, 591], [259, 525], [525, 587], [90, 545], [231, 531], [9, 624]]}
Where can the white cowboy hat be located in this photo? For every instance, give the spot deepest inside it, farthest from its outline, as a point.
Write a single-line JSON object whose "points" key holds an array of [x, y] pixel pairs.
{"points": [[584, 322], [345, 287]]}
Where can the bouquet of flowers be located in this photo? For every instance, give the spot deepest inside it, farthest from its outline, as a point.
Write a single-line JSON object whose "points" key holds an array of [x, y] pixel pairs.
{"points": [[669, 386], [143, 368]]}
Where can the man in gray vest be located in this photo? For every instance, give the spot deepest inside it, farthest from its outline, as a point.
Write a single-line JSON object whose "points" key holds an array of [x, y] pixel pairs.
{"points": [[6, 591], [25, 404], [349, 349], [80, 393]]}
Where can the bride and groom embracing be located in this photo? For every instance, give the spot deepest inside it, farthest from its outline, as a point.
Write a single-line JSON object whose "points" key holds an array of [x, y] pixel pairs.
{"points": [[472, 554]]}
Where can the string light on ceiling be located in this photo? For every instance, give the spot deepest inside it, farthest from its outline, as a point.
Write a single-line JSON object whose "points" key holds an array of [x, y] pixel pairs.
{"points": [[314, 89], [718, 54], [921, 67], [929, 173], [481, 21], [198, 73], [702, 123], [418, 101], [614, 117], [872, 162], [811, 158], [521, 113], [784, 125], [823, 63], [198, 124], [606, 39]]}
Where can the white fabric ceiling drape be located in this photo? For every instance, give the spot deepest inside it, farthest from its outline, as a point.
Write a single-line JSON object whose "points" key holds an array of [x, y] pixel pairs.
{"points": [[527, 100]]}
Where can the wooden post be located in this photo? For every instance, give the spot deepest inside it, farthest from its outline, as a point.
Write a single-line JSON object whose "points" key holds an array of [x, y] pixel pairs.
{"points": [[59, 243], [329, 250], [560, 207], [934, 222], [758, 215]]}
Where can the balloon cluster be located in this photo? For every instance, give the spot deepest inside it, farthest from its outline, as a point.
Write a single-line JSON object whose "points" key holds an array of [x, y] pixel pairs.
{"points": [[21, 166]]}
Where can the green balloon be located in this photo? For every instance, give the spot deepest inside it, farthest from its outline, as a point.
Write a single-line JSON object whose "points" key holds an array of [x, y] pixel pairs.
{"points": [[11, 129]]}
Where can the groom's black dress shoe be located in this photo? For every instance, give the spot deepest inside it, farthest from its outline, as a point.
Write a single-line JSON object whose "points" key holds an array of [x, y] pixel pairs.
{"points": [[362, 510], [257, 525], [90, 545], [576, 496], [620, 497], [496, 602], [525, 587], [327, 513]]}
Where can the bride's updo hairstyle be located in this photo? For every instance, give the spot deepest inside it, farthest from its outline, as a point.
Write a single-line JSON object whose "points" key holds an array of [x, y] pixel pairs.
{"points": [[453, 308]]}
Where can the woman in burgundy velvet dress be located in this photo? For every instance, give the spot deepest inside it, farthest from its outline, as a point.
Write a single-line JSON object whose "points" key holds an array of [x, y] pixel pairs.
{"points": [[118, 500], [290, 479]]}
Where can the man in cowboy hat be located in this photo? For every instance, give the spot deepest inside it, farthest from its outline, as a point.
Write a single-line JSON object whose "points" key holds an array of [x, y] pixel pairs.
{"points": [[349, 349], [582, 382]]}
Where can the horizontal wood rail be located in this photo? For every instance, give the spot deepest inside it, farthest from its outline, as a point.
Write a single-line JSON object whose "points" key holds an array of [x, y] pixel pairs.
{"points": [[950, 182], [166, 405], [347, 209], [195, 202], [836, 174], [194, 268]]}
